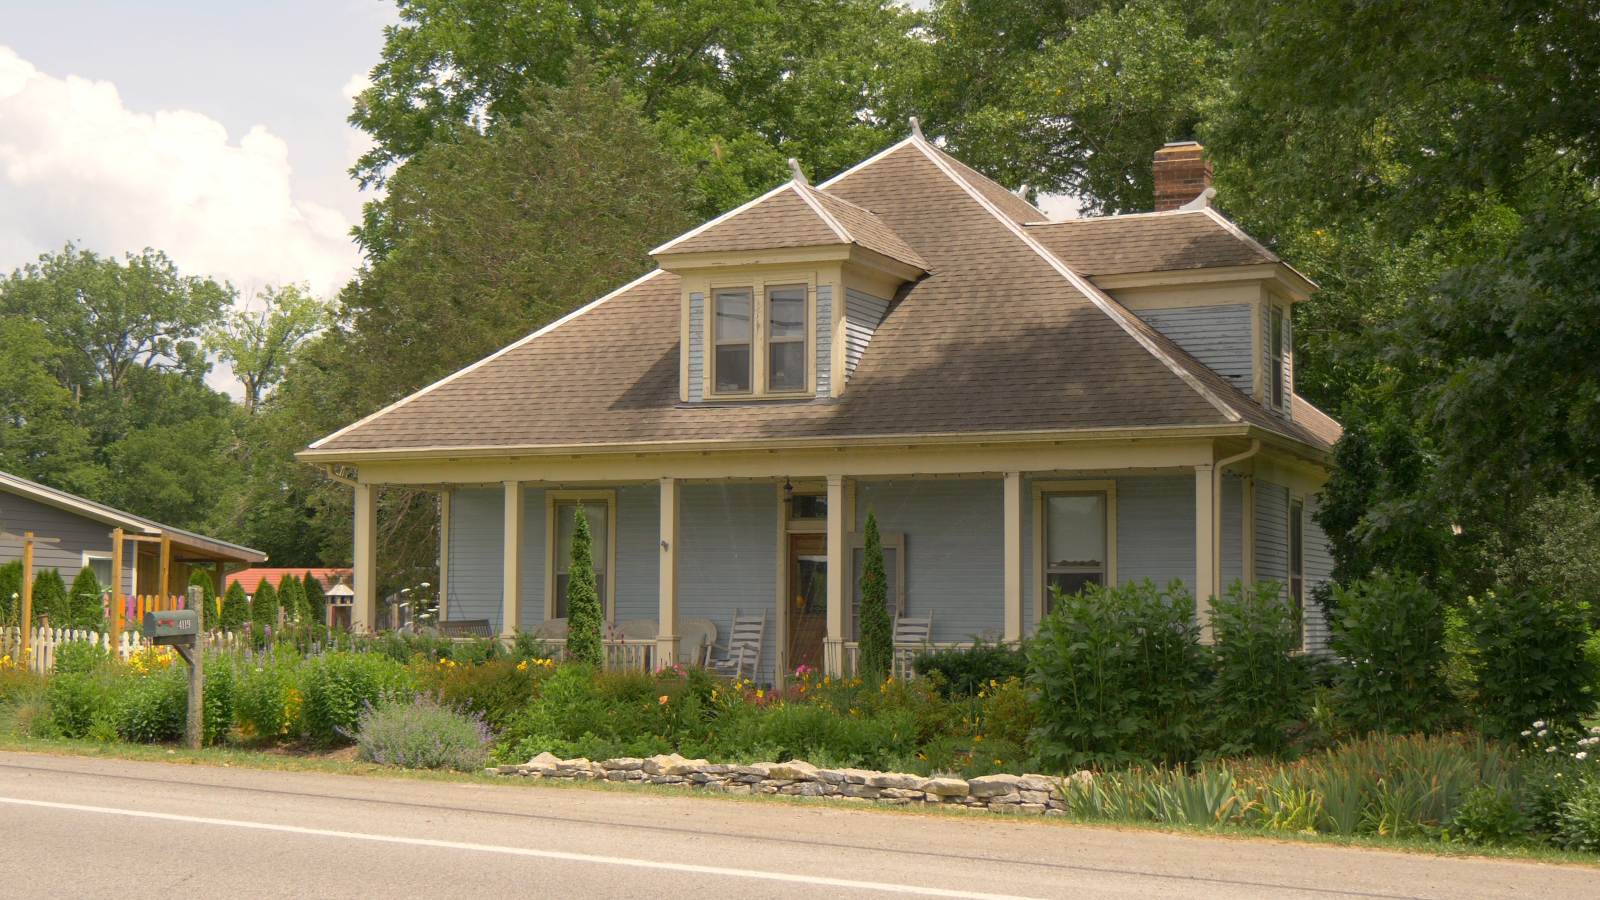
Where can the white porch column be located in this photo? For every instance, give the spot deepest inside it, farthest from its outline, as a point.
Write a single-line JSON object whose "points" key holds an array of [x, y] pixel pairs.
{"points": [[364, 615], [1206, 510], [511, 560], [833, 656], [667, 629], [1012, 510]]}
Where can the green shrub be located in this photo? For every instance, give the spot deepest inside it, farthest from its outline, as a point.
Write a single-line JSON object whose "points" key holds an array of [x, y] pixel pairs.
{"points": [[876, 658], [476, 651], [292, 598], [316, 599], [82, 608], [76, 700], [497, 691], [816, 734], [964, 671], [1117, 675], [1579, 822], [1489, 815], [263, 611], [584, 616], [1388, 631], [267, 698], [80, 656], [1531, 661], [336, 687], [10, 591], [421, 734], [218, 699], [154, 707], [235, 609], [580, 713], [50, 598], [201, 579], [1262, 688]]}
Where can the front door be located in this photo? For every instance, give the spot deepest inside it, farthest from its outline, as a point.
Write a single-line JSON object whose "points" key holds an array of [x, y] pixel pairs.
{"points": [[807, 600]]}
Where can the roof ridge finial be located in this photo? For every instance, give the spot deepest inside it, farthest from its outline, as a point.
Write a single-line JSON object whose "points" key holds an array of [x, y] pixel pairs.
{"points": [[797, 172], [916, 129]]}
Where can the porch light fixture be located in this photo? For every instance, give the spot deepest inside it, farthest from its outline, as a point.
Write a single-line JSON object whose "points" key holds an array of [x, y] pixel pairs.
{"points": [[788, 492]]}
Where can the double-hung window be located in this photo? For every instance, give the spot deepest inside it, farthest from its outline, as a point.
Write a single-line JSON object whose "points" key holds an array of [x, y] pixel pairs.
{"points": [[733, 331], [1297, 563], [786, 338], [894, 571], [1076, 542], [596, 513]]}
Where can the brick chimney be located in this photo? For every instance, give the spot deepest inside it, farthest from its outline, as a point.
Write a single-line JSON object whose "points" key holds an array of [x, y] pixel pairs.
{"points": [[1182, 173]]}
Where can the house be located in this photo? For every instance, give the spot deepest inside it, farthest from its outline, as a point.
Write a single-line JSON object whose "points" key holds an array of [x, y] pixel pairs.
{"points": [[249, 579], [73, 532], [1023, 404]]}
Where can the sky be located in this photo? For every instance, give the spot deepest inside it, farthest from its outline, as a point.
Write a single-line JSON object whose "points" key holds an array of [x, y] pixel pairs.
{"points": [[214, 131]]}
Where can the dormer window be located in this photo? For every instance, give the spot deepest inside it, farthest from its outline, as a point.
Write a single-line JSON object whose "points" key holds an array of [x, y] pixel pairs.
{"points": [[1277, 357], [762, 338]]}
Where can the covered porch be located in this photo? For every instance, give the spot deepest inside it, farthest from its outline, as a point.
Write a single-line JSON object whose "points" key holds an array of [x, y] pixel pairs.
{"points": [[778, 536]]}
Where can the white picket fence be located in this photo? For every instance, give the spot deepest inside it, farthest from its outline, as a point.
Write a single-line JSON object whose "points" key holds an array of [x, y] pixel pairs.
{"points": [[44, 642]]}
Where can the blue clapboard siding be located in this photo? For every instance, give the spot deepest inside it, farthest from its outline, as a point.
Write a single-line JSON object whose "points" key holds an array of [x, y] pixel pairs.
{"points": [[535, 556], [1319, 571], [955, 549], [697, 346], [1218, 336], [75, 534], [728, 557], [824, 338], [1155, 533], [476, 526], [638, 553], [863, 314], [1272, 534], [1232, 530]]}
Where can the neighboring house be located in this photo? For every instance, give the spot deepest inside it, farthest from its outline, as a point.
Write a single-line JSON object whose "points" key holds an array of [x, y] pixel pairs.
{"points": [[1022, 403], [75, 532], [249, 579]]}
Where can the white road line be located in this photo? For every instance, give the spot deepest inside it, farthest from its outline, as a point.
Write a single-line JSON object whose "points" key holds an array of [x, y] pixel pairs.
{"points": [[689, 868]]}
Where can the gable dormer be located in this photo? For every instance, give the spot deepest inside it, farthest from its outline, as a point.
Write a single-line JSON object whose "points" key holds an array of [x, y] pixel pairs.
{"points": [[1195, 277], [781, 295]]}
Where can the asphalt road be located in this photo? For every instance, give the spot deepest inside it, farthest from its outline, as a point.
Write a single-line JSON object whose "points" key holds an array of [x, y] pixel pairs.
{"points": [[77, 827]]}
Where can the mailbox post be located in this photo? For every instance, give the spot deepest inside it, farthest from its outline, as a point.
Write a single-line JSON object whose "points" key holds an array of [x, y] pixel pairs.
{"points": [[180, 630]]}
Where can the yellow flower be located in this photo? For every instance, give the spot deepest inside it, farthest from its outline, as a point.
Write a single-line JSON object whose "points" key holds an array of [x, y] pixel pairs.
{"points": [[760, 693], [522, 666], [662, 699], [977, 739], [997, 762]]}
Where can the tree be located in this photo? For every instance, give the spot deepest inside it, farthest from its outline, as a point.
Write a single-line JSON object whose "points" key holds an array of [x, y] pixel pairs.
{"points": [[50, 598], [734, 88], [40, 436], [257, 343], [83, 608], [877, 632], [316, 599], [264, 609], [584, 616], [235, 609]]}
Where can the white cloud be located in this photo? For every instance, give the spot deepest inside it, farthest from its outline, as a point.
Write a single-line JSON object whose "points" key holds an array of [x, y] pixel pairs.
{"points": [[77, 164]]}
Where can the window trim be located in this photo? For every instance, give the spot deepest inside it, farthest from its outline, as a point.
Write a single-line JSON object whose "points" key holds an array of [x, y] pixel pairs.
{"points": [[1043, 489], [106, 555], [1295, 527], [758, 284], [895, 540], [552, 502]]}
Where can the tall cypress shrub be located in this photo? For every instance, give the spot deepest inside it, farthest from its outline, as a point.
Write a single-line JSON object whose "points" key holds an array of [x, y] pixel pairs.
{"points": [[10, 591], [316, 599], [83, 602], [292, 598], [264, 608], [876, 631], [235, 608], [49, 598], [201, 579], [583, 598]]}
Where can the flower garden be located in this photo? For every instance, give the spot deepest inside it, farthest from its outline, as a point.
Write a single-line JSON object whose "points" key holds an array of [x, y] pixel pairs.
{"points": [[1115, 711]]}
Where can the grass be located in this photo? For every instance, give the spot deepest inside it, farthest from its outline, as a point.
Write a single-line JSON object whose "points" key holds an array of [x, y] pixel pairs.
{"points": [[337, 764]]}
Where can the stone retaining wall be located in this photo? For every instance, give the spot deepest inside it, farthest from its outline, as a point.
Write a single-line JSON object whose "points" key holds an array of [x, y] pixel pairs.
{"points": [[1034, 794]]}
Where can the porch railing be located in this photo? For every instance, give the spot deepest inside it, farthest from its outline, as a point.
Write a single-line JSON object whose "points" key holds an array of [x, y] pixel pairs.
{"points": [[904, 655], [621, 654]]}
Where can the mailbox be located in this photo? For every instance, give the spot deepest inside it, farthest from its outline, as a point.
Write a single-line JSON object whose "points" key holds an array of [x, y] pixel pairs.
{"points": [[174, 626]]}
